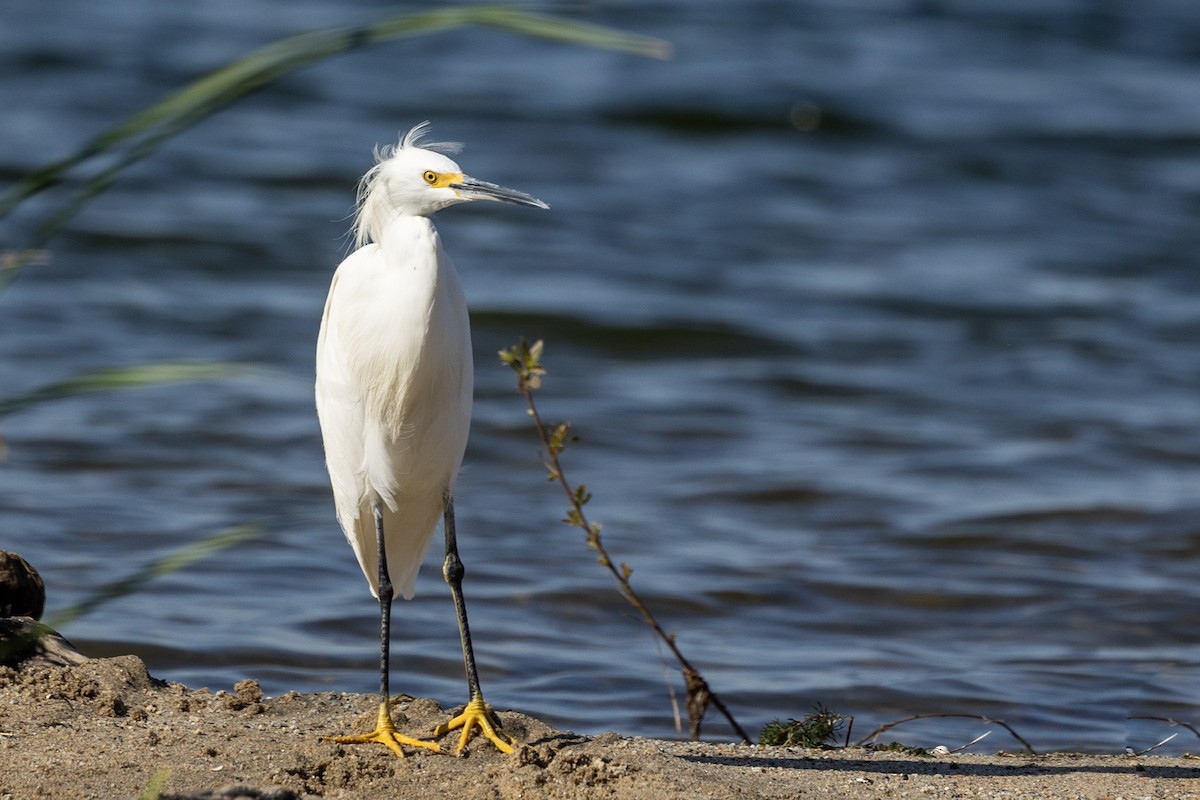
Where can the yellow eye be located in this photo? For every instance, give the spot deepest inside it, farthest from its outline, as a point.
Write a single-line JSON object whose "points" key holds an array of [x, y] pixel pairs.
{"points": [[430, 177]]}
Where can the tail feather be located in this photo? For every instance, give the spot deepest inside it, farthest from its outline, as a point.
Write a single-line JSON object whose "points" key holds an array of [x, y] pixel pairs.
{"points": [[408, 538]]}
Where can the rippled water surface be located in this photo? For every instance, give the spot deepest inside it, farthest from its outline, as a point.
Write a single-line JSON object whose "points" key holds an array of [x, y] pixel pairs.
{"points": [[877, 321]]}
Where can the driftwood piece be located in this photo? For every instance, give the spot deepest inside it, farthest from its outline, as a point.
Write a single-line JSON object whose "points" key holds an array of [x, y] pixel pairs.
{"points": [[25, 643]]}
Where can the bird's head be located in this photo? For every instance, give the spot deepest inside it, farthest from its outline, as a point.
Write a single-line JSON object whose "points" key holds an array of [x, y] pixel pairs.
{"points": [[415, 179]]}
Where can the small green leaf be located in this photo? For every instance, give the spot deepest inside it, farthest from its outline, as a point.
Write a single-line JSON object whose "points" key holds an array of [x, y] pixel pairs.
{"points": [[533, 358], [558, 437]]}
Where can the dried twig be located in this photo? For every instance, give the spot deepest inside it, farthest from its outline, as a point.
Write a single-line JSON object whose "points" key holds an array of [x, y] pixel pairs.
{"points": [[526, 361], [873, 735], [1170, 723], [1154, 746], [1173, 723], [974, 741]]}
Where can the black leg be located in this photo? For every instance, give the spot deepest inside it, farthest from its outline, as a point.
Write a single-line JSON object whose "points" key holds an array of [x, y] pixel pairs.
{"points": [[453, 571], [385, 607], [385, 731], [477, 714]]}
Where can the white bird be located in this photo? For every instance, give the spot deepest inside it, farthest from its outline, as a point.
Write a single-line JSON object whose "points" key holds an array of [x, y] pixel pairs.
{"points": [[393, 393]]}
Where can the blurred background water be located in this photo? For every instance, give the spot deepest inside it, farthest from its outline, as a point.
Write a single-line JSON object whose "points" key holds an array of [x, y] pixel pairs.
{"points": [[877, 320]]}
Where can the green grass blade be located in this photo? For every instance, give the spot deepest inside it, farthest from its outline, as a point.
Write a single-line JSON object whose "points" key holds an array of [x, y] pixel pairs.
{"points": [[172, 562], [156, 784], [557, 29], [107, 380], [208, 94]]}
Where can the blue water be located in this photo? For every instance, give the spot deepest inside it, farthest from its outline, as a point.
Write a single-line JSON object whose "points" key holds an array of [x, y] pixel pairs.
{"points": [[877, 322]]}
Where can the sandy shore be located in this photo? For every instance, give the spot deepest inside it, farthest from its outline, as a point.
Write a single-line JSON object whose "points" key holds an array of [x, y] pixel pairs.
{"points": [[106, 729]]}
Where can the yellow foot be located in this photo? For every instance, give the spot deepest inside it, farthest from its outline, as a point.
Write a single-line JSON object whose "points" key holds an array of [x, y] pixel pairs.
{"points": [[477, 714], [385, 733]]}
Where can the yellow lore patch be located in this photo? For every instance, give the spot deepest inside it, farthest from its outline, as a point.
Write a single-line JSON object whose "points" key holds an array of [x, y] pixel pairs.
{"points": [[441, 180]]}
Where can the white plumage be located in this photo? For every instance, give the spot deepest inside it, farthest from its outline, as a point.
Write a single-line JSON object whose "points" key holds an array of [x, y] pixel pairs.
{"points": [[394, 371], [394, 386]]}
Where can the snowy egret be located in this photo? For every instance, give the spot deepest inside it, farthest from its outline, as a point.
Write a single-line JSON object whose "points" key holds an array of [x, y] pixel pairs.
{"points": [[393, 395]]}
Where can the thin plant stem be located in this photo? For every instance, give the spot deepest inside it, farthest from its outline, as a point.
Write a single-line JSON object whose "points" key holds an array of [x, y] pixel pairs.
{"points": [[525, 359]]}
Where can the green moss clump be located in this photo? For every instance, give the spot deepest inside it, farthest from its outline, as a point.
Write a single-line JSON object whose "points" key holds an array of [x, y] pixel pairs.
{"points": [[816, 730]]}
